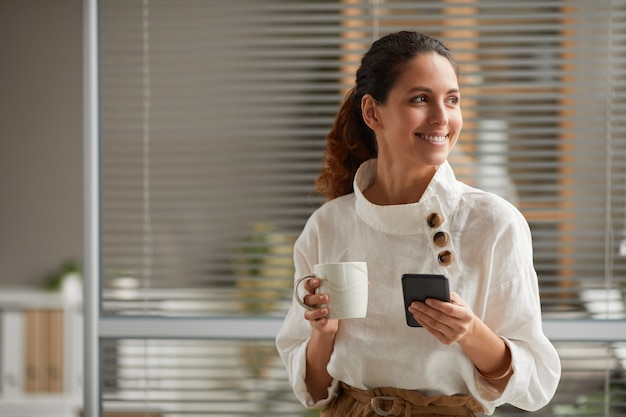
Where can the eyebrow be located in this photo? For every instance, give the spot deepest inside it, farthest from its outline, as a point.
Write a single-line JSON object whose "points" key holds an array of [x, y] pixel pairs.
{"points": [[429, 90]]}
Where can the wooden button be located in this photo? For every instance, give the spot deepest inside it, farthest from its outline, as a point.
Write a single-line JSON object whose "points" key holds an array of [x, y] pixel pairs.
{"points": [[445, 257], [434, 220], [440, 239]]}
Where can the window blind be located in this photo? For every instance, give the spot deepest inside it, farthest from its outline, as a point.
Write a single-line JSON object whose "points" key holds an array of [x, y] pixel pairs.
{"points": [[213, 119], [245, 378]]}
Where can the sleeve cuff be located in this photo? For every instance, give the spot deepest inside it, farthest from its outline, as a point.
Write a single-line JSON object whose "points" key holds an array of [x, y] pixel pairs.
{"points": [[519, 378], [299, 385]]}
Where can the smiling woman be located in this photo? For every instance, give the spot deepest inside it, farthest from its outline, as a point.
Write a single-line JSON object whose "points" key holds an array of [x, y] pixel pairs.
{"points": [[483, 348]]}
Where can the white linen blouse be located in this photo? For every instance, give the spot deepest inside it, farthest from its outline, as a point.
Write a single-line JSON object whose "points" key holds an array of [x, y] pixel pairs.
{"points": [[491, 268]]}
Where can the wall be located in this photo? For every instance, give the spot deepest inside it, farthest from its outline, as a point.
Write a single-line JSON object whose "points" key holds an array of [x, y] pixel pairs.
{"points": [[40, 138]]}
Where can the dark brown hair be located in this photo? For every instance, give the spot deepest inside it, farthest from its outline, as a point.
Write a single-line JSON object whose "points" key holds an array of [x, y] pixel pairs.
{"points": [[350, 142]]}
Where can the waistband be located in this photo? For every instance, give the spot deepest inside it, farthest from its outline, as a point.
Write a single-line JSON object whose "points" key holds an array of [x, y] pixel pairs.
{"points": [[398, 402]]}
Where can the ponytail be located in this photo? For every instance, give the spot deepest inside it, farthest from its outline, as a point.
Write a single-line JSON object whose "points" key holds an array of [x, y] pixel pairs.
{"points": [[349, 143]]}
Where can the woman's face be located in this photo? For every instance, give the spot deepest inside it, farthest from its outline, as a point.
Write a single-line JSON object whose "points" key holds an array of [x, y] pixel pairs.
{"points": [[421, 120]]}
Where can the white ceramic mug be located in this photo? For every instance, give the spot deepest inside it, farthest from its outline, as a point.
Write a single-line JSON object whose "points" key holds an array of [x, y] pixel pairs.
{"points": [[345, 283]]}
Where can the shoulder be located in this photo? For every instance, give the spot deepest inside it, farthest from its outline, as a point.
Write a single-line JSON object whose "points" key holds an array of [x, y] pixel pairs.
{"points": [[334, 210], [328, 216], [489, 211]]}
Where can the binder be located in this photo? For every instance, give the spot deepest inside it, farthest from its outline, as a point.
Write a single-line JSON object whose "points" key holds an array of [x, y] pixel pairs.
{"points": [[55, 353]]}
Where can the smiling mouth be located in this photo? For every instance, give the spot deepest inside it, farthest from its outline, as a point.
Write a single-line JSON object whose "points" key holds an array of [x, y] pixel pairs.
{"points": [[431, 138]]}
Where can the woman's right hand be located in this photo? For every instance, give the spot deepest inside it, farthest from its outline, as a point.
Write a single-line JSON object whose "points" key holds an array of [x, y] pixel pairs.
{"points": [[318, 317]]}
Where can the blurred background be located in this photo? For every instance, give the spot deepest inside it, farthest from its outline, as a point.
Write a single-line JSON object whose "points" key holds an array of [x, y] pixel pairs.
{"points": [[212, 117]]}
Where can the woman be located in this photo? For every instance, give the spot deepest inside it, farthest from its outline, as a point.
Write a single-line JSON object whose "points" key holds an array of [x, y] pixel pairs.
{"points": [[390, 190]]}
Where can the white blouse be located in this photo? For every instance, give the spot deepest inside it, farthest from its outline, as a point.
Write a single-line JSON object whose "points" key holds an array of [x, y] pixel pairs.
{"points": [[491, 268]]}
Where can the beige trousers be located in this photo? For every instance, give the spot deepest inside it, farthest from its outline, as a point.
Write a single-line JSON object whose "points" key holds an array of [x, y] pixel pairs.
{"points": [[354, 402]]}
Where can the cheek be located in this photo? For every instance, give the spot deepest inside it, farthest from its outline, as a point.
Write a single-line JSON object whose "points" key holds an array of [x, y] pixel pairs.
{"points": [[457, 125], [457, 120]]}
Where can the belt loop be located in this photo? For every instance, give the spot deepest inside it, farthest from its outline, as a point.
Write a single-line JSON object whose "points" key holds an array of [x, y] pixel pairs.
{"points": [[375, 402]]}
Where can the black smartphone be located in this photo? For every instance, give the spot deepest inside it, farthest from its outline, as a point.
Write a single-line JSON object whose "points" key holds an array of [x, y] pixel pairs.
{"points": [[419, 287]]}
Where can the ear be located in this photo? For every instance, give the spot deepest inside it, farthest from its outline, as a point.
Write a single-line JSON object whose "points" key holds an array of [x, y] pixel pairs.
{"points": [[369, 108]]}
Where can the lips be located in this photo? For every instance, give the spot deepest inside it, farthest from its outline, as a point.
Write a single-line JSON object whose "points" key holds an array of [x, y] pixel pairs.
{"points": [[433, 138]]}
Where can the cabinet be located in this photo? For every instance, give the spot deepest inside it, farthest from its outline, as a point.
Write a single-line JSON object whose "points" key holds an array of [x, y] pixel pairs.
{"points": [[41, 352]]}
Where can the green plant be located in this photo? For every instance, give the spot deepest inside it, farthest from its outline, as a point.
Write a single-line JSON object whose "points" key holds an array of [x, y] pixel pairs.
{"points": [[54, 280], [264, 269]]}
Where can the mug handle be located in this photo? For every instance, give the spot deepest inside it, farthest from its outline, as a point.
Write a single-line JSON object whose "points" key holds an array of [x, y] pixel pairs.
{"points": [[295, 291]]}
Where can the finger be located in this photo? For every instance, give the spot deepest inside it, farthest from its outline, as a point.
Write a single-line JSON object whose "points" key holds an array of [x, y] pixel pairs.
{"points": [[317, 314], [425, 318], [443, 338], [313, 300], [431, 317], [451, 320], [448, 309], [457, 314], [438, 329], [312, 284], [325, 325], [319, 324], [427, 308]]}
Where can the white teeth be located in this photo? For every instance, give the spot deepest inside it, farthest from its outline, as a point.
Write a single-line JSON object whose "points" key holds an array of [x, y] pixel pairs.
{"points": [[434, 138]]}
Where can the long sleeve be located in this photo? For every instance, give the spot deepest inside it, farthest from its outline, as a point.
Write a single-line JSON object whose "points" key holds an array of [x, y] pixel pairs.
{"points": [[513, 312], [293, 338]]}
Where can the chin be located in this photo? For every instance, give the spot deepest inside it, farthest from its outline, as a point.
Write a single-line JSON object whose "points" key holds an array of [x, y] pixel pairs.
{"points": [[436, 161]]}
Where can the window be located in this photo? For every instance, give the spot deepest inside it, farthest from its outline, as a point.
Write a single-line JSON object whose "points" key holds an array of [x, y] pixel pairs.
{"points": [[212, 116]]}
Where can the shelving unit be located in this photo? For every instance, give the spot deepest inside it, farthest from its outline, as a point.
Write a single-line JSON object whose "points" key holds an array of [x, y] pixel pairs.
{"points": [[40, 353]]}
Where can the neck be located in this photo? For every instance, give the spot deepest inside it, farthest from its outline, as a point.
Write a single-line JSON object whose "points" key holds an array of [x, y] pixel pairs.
{"points": [[394, 186]]}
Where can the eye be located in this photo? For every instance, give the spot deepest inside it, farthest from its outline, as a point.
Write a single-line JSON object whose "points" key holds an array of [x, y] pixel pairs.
{"points": [[419, 99], [453, 100]]}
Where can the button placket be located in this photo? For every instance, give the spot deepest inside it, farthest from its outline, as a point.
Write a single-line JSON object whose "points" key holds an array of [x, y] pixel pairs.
{"points": [[441, 242]]}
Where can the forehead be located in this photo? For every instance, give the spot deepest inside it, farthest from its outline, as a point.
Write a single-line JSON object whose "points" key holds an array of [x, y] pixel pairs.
{"points": [[429, 70]]}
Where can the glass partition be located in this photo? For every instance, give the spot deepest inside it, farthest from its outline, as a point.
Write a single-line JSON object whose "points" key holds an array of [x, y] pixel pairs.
{"points": [[213, 116]]}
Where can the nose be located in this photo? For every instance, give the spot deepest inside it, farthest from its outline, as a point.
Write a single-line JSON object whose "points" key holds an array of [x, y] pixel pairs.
{"points": [[438, 115]]}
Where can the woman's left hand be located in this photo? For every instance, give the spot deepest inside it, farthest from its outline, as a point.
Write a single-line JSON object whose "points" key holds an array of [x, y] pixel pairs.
{"points": [[448, 322], [455, 322]]}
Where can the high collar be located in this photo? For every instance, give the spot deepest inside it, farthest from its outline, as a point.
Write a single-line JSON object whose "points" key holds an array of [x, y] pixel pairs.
{"points": [[441, 196], [429, 217]]}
